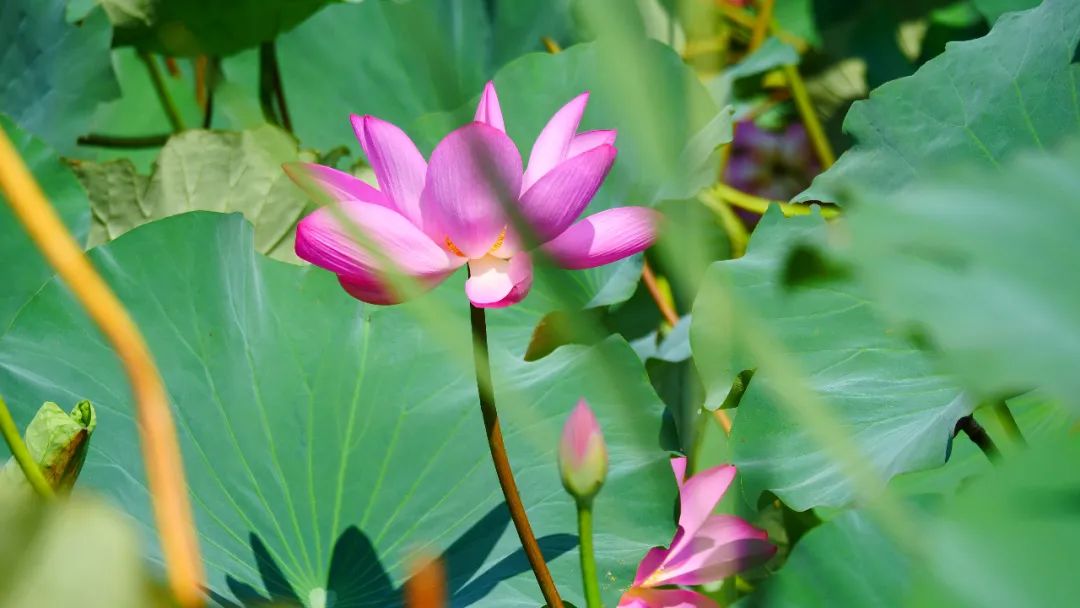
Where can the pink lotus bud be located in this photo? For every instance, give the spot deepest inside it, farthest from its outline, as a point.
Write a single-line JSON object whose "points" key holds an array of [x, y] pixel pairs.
{"points": [[582, 453]]}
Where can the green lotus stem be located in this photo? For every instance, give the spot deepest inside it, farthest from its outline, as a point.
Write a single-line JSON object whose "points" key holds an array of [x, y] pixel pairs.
{"points": [[123, 141], [167, 102], [1005, 417], [22, 455], [809, 117], [271, 89], [502, 463], [588, 555]]}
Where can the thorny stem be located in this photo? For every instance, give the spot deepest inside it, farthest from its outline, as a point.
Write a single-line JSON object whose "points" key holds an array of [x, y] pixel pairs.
{"points": [[167, 102], [157, 431], [502, 463], [22, 455], [756, 204], [1004, 415], [110, 141], [588, 554], [978, 436], [271, 90]]}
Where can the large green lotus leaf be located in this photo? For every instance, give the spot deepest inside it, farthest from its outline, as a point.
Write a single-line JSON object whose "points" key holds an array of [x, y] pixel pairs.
{"points": [[203, 171], [980, 101], [846, 561], [400, 60], [884, 391], [982, 263], [78, 552], [210, 27], [325, 440], [53, 73], [25, 271]]}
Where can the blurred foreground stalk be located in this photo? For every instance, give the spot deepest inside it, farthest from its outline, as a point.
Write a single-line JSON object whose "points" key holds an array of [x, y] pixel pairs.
{"points": [[502, 463], [161, 451]]}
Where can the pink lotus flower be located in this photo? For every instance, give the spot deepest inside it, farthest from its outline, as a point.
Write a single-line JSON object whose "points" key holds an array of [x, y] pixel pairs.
{"points": [[429, 218], [707, 547], [582, 453]]}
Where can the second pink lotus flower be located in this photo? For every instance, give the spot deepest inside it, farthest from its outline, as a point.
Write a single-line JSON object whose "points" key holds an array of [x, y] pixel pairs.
{"points": [[429, 218]]}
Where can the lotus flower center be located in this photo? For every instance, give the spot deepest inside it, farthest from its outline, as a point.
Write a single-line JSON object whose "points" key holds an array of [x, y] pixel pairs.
{"points": [[461, 254]]}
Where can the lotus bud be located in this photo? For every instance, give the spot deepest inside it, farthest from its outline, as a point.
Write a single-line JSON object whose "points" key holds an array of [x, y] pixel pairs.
{"points": [[582, 454]]}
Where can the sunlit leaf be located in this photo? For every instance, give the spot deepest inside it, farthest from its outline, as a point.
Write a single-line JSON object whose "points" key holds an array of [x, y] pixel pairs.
{"points": [[326, 440]]}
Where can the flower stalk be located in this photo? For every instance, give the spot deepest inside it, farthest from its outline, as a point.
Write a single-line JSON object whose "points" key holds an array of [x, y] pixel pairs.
{"points": [[22, 455], [502, 463], [157, 431], [588, 554], [167, 103]]}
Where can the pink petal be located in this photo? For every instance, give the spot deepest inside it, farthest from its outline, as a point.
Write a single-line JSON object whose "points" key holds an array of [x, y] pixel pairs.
{"points": [[665, 598], [605, 237], [496, 283], [399, 167], [678, 466], [474, 172], [559, 197], [324, 185], [323, 240], [522, 275], [652, 560], [553, 143], [488, 111], [583, 142], [698, 497], [722, 546]]}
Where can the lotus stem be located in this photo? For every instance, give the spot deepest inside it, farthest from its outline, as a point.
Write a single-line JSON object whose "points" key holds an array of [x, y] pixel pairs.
{"points": [[663, 302], [160, 448], [167, 102], [271, 89], [761, 23], [22, 455], [978, 436], [502, 463], [1005, 417], [588, 554], [111, 141], [809, 117]]}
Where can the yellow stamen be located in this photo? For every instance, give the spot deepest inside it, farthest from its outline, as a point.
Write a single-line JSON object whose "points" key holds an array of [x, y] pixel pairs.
{"points": [[498, 242], [453, 248]]}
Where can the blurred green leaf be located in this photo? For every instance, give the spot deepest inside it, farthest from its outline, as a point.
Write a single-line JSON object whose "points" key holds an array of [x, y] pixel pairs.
{"points": [[992, 9], [23, 278], [203, 171], [1015, 531], [77, 552], [211, 27], [325, 439], [772, 54], [884, 391], [979, 102], [58, 442], [53, 74], [978, 263]]}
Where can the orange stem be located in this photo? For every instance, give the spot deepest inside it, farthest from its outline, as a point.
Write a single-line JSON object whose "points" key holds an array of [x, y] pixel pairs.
{"points": [[160, 448], [662, 303]]}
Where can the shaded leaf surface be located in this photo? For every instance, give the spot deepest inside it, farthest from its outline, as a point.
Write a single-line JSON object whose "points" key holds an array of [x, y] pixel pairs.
{"points": [[53, 73]]}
